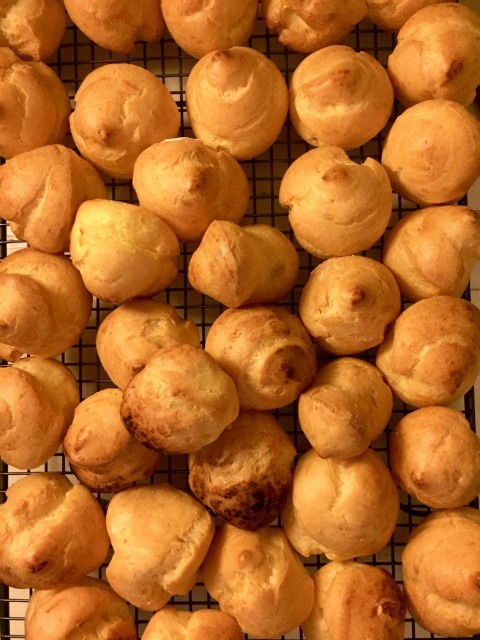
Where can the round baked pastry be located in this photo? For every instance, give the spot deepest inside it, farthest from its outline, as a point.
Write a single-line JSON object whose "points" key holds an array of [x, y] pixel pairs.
{"points": [[53, 533], [35, 105], [435, 457], [432, 251], [44, 304], [355, 601], [390, 15], [308, 26], [348, 303], [432, 152], [173, 624], [87, 608], [117, 24], [258, 579], [101, 452], [122, 250], [441, 565], [336, 207], [266, 351], [37, 401], [41, 192], [237, 101], [339, 96], [431, 355], [180, 402], [33, 29], [160, 536], [120, 110], [346, 408], [200, 27], [188, 185], [237, 265], [133, 332], [341, 507], [244, 476], [437, 55]]}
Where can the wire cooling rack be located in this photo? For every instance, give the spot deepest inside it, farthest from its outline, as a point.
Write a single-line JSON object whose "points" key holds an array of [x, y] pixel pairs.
{"points": [[77, 57]]}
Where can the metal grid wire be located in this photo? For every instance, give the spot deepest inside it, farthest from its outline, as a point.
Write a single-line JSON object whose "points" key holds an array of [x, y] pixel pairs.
{"points": [[76, 58]]}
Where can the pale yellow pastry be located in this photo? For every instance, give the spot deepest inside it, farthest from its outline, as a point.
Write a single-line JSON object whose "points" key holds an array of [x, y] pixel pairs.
{"points": [[391, 15], [431, 354], [160, 536], [441, 565], [122, 250], [237, 265], [121, 110], [266, 351], [117, 24], [437, 55], [348, 303], [133, 332], [237, 101], [339, 96], [341, 507], [202, 624], [44, 305], [336, 207], [347, 406], [200, 27], [41, 191], [188, 185], [53, 533], [432, 152], [432, 251], [89, 608], [37, 401], [258, 579]]}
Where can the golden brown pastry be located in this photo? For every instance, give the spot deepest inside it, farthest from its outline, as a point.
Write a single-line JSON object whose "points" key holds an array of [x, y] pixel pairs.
{"points": [[100, 451], [160, 536], [432, 251], [117, 24], [245, 474], [37, 401], [122, 250], [348, 303], [441, 565], [35, 105], [437, 55], [200, 27], [188, 185], [203, 624], [432, 152], [266, 351], [339, 96], [237, 265], [258, 579], [44, 305], [133, 332], [355, 601], [391, 15], [308, 26], [180, 402], [86, 609], [237, 101], [435, 457], [347, 407], [53, 533], [336, 207], [33, 29], [41, 191], [120, 110], [431, 354], [341, 507]]}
